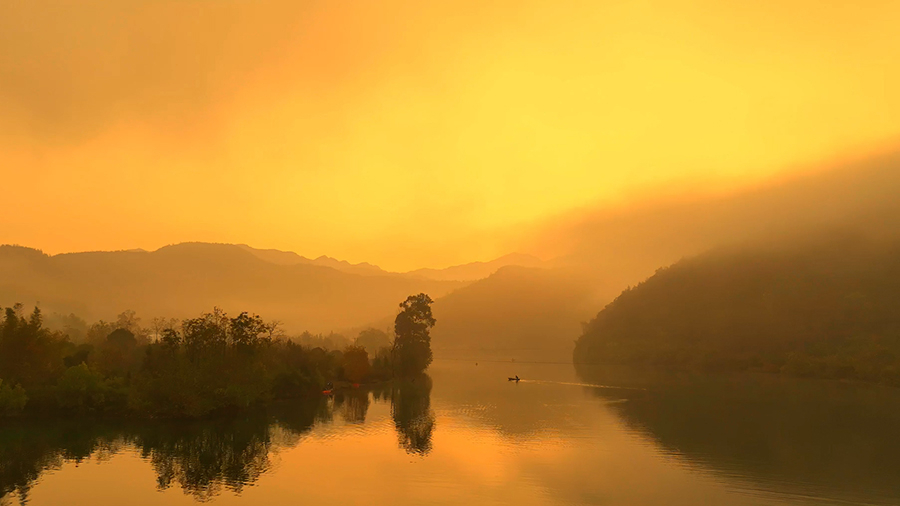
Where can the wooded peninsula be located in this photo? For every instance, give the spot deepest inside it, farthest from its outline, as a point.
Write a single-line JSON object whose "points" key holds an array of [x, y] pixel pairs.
{"points": [[198, 367]]}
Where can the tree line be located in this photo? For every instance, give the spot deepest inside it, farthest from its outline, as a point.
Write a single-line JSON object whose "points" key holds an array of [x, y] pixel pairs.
{"points": [[211, 364]]}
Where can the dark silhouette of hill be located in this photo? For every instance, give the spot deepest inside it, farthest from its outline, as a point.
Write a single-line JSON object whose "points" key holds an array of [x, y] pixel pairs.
{"points": [[478, 270], [464, 272], [828, 308], [290, 258], [516, 308], [185, 279]]}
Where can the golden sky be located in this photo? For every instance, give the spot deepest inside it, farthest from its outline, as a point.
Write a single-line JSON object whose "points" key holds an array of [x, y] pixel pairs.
{"points": [[411, 133]]}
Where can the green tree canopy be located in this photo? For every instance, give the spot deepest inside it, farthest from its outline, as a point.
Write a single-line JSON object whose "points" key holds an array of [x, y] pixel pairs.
{"points": [[412, 346]]}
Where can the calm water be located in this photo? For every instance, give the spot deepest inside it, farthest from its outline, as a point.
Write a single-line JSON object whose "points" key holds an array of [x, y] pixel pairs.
{"points": [[470, 437]]}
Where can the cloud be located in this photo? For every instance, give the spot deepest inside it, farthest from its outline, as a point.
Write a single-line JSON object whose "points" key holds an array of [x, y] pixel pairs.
{"points": [[71, 69]]}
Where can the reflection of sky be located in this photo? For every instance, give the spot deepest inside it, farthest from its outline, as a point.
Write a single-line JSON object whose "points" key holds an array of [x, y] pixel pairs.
{"points": [[494, 442]]}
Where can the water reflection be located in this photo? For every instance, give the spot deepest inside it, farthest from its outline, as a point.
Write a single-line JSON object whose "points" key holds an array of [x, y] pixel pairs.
{"points": [[352, 405], [27, 450], [203, 458], [803, 437], [413, 417], [546, 440]]}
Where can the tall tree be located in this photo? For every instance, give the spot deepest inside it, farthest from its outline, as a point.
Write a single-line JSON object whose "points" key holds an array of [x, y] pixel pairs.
{"points": [[206, 336], [412, 346], [29, 353]]}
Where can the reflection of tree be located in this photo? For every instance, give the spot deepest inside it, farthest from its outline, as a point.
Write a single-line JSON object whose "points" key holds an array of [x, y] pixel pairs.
{"points": [[352, 405], [27, 450], [298, 417], [21, 463], [413, 417], [202, 457], [381, 392]]}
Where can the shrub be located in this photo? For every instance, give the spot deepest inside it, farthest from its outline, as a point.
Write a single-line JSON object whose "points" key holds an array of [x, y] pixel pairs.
{"points": [[82, 389], [12, 399]]}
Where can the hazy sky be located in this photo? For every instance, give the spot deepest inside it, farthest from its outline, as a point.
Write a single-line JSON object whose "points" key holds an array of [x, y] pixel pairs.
{"points": [[411, 133]]}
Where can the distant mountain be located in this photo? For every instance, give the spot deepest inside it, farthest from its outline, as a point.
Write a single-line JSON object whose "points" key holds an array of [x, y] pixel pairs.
{"points": [[465, 272], [186, 279], [478, 270], [290, 258], [517, 310]]}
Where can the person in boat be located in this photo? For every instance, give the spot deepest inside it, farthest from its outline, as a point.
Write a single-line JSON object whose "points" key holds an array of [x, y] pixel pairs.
{"points": [[516, 379]]}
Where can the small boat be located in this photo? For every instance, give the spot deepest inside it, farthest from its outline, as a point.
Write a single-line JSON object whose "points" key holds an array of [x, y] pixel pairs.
{"points": [[516, 379]]}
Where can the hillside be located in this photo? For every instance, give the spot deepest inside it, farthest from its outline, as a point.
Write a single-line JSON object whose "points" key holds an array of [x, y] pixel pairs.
{"points": [[515, 309], [478, 270], [183, 280], [290, 258], [827, 309], [464, 272]]}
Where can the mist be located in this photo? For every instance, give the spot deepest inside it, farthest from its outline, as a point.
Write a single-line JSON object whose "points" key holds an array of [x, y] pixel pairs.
{"points": [[516, 303], [596, 254], [401, 252]]}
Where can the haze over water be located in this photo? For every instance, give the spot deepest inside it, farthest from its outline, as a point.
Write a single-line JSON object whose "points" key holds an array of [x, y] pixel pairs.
{"points": [[479, 439], [234, 236]]}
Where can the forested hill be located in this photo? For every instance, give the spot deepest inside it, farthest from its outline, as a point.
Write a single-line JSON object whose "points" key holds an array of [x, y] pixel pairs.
{"points": [[534, 312], [184, 280], [830, 309]]}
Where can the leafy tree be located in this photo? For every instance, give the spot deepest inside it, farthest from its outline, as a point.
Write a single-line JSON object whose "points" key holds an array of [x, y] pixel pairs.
{"points": [[98, 331], [29, 353], [119, 354], [130, 321], [206, 335], [12, 400], [373, 340], [412, 346], [160, 324], [121, 338], [332, 341], [248, 332], [356, 363], [383, 364], [78, 355], [81, 389], [170, 339]]}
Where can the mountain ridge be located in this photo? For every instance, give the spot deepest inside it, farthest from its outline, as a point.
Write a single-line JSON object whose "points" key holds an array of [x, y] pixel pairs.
{"points": [[186, 279]]}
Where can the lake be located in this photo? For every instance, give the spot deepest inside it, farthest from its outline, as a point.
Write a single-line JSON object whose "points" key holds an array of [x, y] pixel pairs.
{"points": [[466, 435]]}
